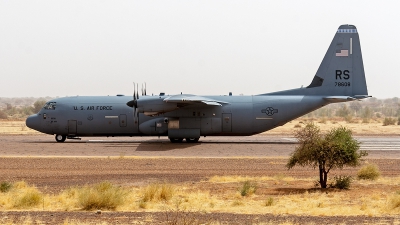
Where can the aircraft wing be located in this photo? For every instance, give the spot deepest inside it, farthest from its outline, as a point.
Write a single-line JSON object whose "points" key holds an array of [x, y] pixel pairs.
{"points": [[191, 99]]}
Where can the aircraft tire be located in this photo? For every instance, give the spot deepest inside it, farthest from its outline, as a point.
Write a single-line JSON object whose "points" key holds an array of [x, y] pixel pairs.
{"points": [[192, 140], [60, 138], [176, 140]]}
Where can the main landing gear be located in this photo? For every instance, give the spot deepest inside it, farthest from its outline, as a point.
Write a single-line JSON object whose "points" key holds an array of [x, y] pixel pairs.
{"points": [[60, 138], [179, 140]]}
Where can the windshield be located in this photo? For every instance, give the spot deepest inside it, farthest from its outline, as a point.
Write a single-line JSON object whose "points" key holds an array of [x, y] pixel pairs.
{"points": [[50, 105]]}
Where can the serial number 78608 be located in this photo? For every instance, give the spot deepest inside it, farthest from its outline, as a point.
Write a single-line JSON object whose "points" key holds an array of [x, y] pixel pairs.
{"points": [[342, 84]]}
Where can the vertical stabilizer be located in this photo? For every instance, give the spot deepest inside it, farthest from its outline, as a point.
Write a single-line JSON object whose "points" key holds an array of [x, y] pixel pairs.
{"points": [[341, 72]]}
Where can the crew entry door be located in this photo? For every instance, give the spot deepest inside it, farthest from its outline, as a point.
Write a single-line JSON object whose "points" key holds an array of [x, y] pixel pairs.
{"points": [[226, 122]]}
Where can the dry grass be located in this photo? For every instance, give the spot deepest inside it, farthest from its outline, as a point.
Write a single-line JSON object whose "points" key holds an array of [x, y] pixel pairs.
{"points": [[21, 196], [100, 196], [15, 127], [175, 217], [238, 179], [373, 127], [365, 197], [369, 172]]}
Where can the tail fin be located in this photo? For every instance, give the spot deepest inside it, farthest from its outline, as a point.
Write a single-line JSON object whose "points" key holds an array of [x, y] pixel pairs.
{"points": [[341, 72]]}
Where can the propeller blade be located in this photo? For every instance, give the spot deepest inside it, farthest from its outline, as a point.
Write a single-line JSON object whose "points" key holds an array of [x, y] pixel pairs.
{"points": [[134, 91], [145, 87], [137, 92], [134, 115]]}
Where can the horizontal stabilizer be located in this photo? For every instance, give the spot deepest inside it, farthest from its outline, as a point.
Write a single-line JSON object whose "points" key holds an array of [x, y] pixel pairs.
{"points": [[339, 98]]}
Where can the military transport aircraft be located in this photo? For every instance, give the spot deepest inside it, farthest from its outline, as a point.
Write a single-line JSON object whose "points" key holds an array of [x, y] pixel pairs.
{"points": [[340, 78]]}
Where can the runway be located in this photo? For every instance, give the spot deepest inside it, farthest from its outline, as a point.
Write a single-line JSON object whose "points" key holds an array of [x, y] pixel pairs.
{"points": [[251, 146]]}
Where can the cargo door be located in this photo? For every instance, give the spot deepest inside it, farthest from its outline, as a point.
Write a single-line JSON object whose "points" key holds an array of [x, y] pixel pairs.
{"points": [[71, 127], [226, 122]]}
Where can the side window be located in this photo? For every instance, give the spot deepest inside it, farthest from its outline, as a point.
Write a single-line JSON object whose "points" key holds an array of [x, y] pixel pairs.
{"points": [[50, 105]]}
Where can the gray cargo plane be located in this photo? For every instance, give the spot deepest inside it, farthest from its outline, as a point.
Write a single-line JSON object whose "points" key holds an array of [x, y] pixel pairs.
{"points": [[339, 78]]}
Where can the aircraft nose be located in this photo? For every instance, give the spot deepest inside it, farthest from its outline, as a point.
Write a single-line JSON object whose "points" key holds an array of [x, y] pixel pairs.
{"points": [[33, 122]]}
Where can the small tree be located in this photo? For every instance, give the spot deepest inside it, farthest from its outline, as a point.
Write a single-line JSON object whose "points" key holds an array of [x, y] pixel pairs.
{"points": [[38, 105], [335, 149], [344, 111]]}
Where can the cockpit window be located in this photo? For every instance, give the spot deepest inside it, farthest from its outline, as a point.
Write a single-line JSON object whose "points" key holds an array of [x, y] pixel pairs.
{"points": [[50, 105]]}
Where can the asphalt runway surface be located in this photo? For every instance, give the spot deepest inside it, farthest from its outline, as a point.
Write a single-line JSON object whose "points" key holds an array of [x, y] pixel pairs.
{"points": [[251, 146]]}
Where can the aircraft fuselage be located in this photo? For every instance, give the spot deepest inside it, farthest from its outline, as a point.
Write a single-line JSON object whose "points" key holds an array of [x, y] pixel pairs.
{"points": [[110, 116]]}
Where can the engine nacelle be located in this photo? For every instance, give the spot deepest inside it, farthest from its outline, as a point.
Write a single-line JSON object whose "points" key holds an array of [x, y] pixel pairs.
{"points": [[155, 126], [154, 106]]}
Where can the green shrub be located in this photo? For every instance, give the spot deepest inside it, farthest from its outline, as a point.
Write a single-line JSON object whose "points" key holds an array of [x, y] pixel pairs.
{"points": [[101, 196], [389, 121], [5, 186], [342, 182], [248, 188], [369, 172]]}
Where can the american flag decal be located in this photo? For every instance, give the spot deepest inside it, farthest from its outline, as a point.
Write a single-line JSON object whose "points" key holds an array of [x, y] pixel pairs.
{"points": [[343, 53]]}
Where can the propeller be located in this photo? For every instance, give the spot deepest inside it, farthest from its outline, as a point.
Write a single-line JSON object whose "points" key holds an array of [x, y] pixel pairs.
{"points": [[133, 103]]}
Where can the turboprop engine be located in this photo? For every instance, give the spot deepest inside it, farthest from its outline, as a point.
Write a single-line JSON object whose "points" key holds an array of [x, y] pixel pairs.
{"points": [[149, 105], [154, 105]]}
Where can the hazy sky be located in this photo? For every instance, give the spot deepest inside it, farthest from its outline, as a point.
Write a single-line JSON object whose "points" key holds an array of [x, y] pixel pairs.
{"points": [[67, 48]]}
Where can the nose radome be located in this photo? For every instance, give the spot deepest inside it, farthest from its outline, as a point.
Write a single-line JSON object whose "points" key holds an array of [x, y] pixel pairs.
{"points": [[33, 122]]}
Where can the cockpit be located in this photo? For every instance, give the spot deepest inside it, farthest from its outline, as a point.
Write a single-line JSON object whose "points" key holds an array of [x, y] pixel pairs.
{"points": [[50, 106]]}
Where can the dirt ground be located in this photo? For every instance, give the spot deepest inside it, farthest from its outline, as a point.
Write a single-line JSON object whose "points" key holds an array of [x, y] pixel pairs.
{"points": [[53, 174], [52, 167]]}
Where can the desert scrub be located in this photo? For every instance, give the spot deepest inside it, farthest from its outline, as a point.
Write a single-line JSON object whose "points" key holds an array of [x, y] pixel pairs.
{"points": [[389, 121], [394, 201], [269, 202], [369, 172], [342, 182], [158, 192], [25, 196], [297, 125], [101, 196], [248, 188], [5, 186]]}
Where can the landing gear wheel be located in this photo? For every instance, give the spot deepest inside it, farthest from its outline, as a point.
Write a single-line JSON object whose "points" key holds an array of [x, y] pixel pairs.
{"points": [[176, 140], [60, 138], [192, 140]]}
